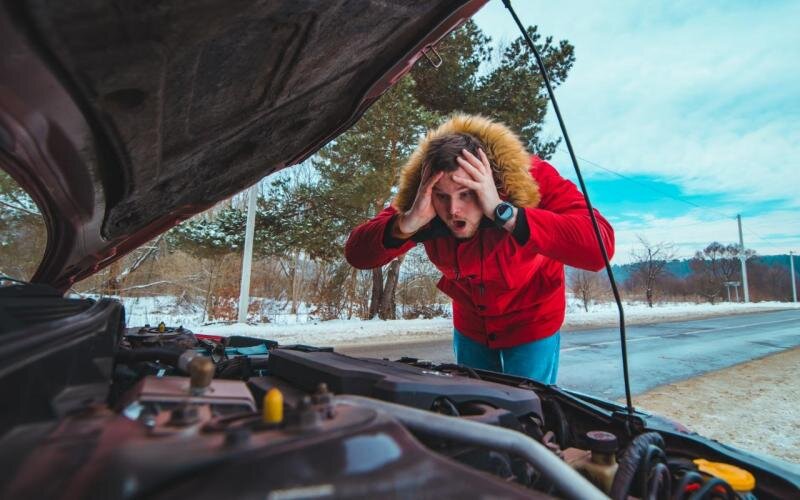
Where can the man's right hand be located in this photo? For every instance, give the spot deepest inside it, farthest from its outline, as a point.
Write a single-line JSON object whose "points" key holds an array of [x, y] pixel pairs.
{"points": [[422, 211]]}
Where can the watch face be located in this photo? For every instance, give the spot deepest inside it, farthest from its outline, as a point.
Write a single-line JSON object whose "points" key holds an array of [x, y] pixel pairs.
{"points": [[503, 212]]}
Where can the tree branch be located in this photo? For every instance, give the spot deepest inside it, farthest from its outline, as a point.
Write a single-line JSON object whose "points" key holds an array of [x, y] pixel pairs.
{"points": [[140, 260], [14, 207]]}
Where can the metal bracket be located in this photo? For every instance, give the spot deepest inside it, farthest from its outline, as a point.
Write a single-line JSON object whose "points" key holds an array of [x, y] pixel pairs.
{"points": [[427, 50]]}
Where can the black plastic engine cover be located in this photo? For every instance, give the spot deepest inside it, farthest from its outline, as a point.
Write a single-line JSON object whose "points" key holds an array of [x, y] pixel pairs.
{"points": [[62, 362], [395, 382]]}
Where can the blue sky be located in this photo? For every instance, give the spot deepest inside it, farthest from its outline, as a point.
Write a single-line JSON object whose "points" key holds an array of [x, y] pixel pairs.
{"points": [[684, 114]]}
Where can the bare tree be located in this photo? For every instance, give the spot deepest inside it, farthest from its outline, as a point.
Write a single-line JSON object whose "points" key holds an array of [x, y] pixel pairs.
{"points": [[383, 303], [116, 273], [586, 285], [294, 269], [416, 292], [715, 265], [649, 263]]}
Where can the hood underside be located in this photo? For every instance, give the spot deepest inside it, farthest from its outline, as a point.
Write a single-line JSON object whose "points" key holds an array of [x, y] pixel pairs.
{"points": [[122, 119]]}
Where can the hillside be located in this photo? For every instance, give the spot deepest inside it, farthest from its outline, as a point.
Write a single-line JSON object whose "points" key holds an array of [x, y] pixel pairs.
{"points": [[680, 268]]}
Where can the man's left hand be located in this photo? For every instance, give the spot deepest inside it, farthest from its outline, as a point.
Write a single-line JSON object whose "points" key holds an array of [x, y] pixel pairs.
{"points": [[480, 180]]}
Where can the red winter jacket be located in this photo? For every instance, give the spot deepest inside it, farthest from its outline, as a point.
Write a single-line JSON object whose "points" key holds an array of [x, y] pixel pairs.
{"points": [[504, 293]]}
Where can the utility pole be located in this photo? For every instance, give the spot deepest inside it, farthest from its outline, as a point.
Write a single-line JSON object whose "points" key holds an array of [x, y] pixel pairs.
{"points": [[791, 275], [743, 260], [247, 259]]}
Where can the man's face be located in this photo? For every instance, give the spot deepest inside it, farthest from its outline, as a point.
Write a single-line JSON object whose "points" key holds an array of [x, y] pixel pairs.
{"points": [[457, 205]]}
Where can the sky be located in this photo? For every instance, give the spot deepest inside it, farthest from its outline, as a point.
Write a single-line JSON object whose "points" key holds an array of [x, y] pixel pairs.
{"points": [[683, 114]]}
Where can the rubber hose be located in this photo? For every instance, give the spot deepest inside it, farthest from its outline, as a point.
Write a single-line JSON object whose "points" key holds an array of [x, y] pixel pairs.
{"points": [[563, 425], [659, 483], [450, 407], [709, 487], [653, 453], [691, 477], [630, 461]]}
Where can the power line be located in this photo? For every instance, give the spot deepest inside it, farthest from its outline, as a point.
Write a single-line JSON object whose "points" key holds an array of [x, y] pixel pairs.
{"points": [[651, 188], [676, 198], [773, 222], [768, 243]]}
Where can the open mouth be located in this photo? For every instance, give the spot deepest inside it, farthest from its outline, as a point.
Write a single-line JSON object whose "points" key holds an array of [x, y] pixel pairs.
{"points": [[460, 224]]}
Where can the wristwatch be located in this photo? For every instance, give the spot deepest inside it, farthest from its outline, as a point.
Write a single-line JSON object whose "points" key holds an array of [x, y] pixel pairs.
{"points": [[503, 213]]}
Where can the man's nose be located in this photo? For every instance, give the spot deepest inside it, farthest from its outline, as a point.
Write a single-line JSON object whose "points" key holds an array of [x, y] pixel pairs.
{"points": [[455, 207]]}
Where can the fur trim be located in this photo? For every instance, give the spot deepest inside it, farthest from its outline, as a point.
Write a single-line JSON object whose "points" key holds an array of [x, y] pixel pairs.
{"points": [[503, 148]]}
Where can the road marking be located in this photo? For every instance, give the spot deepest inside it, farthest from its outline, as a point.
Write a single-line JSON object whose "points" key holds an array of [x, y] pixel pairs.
{"points": [[639, 339], [577, 348], [737, 326]]}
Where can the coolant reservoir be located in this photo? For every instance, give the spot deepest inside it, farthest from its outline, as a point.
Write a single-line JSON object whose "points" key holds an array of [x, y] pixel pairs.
{"points": [[599, 464], [742, 481]]}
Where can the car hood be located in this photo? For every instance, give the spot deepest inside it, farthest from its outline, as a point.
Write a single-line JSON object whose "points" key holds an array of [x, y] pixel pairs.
{"points": [[123, 119]]}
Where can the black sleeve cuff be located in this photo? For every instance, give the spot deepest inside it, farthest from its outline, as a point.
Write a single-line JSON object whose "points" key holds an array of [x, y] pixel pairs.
{"points": [[522, 232], [390, 241]]}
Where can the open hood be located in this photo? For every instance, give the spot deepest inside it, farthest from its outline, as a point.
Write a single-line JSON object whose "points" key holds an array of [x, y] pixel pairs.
{"points": [[121, 119]]}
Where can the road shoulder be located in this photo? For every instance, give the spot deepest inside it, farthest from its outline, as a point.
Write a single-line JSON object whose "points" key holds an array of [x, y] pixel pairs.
{"points": [[754, 405]]}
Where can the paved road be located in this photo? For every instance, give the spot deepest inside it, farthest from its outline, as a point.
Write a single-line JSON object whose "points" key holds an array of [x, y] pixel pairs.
{"points": [[657, 353]]}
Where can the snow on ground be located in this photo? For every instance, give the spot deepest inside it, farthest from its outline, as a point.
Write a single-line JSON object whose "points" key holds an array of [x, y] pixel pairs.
{"points": [[639, 313], [305, 329], [752, 405]]}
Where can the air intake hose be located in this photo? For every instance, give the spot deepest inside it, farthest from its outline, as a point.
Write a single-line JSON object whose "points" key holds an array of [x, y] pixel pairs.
{"points": [[630, 462], [569, 482]]}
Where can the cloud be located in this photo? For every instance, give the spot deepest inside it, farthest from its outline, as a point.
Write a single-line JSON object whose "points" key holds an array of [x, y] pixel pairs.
{"points": [[769, 233], [703, 95]]}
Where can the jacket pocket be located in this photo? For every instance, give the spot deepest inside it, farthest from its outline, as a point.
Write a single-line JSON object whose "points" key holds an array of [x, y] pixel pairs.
{"points": [[519, 273], [515, 270]]}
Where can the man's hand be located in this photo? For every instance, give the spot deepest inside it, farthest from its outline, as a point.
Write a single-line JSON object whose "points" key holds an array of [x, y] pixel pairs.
{"points": [[422, 211], [481, 180]]}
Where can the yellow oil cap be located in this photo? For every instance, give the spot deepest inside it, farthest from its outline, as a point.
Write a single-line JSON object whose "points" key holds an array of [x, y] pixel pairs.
{"points": [[738, 478], [272, 410]]}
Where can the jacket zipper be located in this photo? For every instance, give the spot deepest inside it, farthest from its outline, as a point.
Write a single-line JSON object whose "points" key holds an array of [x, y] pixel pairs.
{"points": [[458, 269]]}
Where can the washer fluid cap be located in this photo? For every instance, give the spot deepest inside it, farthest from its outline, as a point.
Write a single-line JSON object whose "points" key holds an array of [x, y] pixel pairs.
{"points": [[738, 478], [602, 442]]}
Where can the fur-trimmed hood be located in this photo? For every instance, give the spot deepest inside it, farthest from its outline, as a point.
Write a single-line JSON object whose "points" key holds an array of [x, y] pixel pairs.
{"points": [[504, 149]]}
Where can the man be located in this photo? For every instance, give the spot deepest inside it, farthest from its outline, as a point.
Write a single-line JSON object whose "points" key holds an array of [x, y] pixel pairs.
{"points": [[500, 224]]}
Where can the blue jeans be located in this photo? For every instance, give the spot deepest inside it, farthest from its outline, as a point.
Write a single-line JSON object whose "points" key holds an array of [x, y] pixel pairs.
{"points": [[537, 360]]}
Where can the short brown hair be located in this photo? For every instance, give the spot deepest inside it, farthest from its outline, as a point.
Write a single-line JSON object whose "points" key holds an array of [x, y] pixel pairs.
{"points": [[443, 151]]}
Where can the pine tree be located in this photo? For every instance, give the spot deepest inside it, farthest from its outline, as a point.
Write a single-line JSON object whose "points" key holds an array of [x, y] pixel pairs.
{"points": [[512, 91], [212, 238], [355, 176], [354, 181]]}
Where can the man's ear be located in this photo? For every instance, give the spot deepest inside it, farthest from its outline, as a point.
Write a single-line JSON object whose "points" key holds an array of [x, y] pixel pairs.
{"points": [[501, 188]]}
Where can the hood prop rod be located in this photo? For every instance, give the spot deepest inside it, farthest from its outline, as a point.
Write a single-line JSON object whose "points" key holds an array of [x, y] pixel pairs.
{"points": [[546, 78]]}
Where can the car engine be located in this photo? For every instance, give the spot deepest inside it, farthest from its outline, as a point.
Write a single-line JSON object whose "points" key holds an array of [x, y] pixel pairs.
{"points": [[103, 411]]}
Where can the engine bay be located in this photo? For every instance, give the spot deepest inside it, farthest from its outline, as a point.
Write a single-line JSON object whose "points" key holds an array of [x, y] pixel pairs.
{"points": [[160, 411]]}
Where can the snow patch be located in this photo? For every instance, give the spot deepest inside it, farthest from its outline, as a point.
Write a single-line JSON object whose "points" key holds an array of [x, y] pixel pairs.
{"points": [[304, 328]]}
